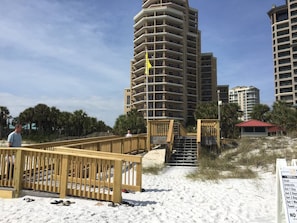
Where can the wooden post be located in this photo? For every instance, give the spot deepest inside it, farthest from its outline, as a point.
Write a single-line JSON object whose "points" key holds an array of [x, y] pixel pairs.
{"points": [[279, 163], [148, 136], [139, 175], [64, 176], [218, 127], [18, 172], [198, 130], [117, 184]]}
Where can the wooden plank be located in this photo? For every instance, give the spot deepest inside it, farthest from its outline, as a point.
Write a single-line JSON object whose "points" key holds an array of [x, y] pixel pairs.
{"points": [[18, 172], [64, 176], [199, 127], [7, 193], [117, 189]]}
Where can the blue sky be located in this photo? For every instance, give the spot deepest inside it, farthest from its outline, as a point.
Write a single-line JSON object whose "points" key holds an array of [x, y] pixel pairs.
{"points": [[75, 54]]}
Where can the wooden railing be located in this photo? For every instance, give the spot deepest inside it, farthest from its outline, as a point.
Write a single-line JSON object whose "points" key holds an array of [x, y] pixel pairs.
{"points": [[163, 132], [69, 172], [48, 145], [131, 180], [123, 145], [170, 140], [208, 133], [157, 132], [183, 131], [96, 168]]}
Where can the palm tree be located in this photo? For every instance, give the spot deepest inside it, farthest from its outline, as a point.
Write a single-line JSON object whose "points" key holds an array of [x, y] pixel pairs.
{"points": [[64, 123], [42, 117], [53, 119], [284, 115], [4, 116], [78, 120], [27, 117], [133, 120], [206, 110], [260, 112], [230, 114]]}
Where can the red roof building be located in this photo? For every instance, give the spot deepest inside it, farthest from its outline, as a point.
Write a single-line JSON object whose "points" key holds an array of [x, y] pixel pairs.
{"points": [[256, 128]]}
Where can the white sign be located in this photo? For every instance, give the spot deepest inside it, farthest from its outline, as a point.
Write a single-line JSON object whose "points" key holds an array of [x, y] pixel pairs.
{"points": [[288, 177]]}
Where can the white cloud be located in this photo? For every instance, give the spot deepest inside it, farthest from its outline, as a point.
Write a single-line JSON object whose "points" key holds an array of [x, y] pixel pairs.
{"points": [[56, 53], [76, 54]]}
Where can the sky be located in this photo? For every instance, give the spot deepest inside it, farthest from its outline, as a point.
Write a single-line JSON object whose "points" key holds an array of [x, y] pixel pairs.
{"points": [[76, 54]]}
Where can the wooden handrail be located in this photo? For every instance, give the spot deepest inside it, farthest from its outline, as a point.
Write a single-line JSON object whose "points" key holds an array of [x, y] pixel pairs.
{"points": [[46, 145], [68, 172], [134, 162], [125, 145], [170, 139]]}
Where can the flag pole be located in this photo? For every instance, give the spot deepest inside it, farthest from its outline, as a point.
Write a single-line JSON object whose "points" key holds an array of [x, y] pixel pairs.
{"points": [[147, 102], [148, 66]]}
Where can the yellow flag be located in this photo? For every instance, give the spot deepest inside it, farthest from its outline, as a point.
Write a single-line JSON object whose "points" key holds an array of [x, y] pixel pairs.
{"points": [[148, 65]]}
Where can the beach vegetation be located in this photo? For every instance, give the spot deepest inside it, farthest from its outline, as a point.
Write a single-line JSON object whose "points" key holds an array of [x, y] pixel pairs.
{"points": [[244, 160], [154, 169]]}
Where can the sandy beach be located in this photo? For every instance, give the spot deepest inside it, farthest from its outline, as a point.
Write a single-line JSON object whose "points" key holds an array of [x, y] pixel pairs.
{"points": [[168, 197]]}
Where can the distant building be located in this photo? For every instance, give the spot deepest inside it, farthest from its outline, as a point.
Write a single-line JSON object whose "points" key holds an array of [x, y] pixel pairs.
{"points": [[255, 128], [223, 93], [127, 100], [246, 98], [208, 82], [284, 44]]}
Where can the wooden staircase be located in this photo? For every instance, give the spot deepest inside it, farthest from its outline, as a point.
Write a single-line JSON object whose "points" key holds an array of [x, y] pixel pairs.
{"points": [[184, 151]]}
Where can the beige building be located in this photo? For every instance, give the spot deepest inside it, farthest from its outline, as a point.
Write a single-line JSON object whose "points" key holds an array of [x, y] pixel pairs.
{"points": [[127, 100], [246, 98], [168, 31], [284, 41]]}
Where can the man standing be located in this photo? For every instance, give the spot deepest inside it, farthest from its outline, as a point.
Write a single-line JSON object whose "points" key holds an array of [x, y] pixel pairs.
{"points": [[129, 133], [14, 138]]}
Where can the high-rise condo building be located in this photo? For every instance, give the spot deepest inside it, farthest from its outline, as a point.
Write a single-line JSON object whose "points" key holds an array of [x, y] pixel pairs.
{"points": [[208, 82], [168, 31], [246, 98], [284, 42], [223, 93], [127, 100]]}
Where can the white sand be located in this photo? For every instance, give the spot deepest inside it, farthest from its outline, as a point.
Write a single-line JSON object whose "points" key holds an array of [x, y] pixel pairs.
{"points": [[169, 197]]}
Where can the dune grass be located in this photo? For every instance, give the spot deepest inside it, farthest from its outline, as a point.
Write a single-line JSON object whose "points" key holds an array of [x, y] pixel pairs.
{"points": [[155, 169], [245, 160]]}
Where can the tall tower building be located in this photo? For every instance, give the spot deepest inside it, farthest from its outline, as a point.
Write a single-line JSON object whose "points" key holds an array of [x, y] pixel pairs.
{"points": [[168, 31], [208, 84], [246, 98], [223, 93], [284, 41]]}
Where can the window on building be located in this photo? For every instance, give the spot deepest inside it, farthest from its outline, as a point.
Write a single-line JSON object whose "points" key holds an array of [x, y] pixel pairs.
{"points": [[281, 16]]}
